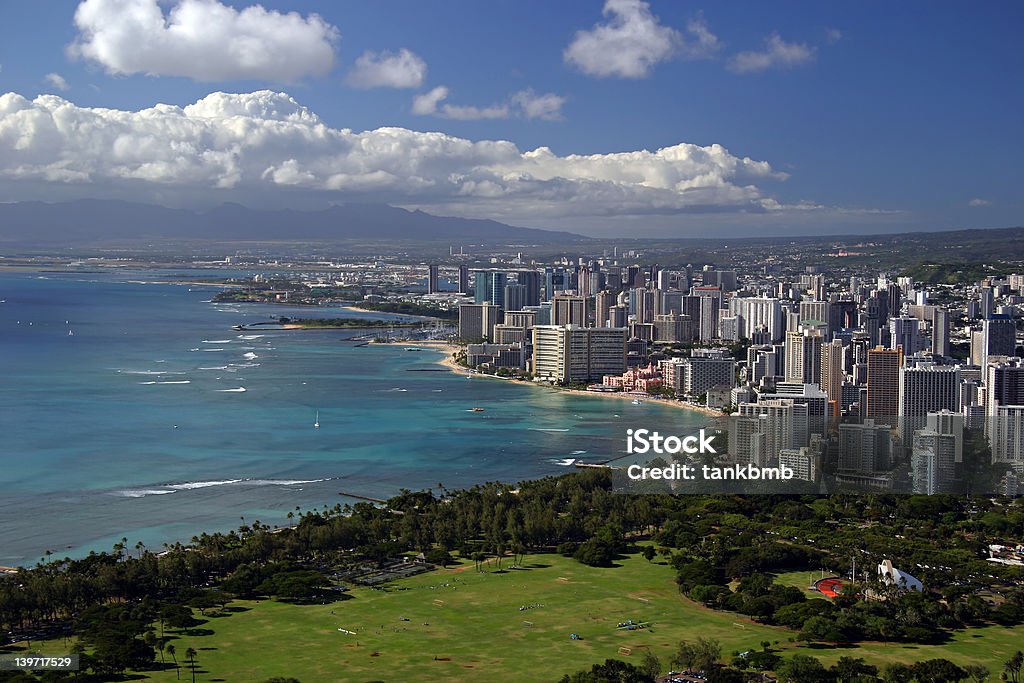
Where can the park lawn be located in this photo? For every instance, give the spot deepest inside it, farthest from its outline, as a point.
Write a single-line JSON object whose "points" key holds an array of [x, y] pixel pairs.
{"points": [[990, 646], [801, 579], [471, 623]]}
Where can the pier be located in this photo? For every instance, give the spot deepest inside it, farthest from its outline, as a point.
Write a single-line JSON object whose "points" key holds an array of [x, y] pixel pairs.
{"points": [[360, 497]]}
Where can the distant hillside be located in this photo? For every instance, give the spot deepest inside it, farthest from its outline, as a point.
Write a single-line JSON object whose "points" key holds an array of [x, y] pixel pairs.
{"points": [[93, 220]]}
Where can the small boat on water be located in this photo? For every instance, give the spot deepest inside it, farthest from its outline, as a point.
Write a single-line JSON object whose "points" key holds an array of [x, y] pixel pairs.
{"points": [[316, 425], [637, 401], [476, 410]]}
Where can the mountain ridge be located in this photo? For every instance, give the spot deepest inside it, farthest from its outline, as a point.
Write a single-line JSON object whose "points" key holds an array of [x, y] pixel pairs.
{"points": [[90, 220]]}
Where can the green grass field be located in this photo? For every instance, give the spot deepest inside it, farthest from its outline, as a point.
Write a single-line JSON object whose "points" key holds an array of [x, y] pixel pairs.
{"points": [[471, 623], [801, 580], [458, 624]]}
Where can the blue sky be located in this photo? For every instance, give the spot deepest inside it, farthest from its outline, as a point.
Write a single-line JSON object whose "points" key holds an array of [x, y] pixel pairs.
{"points": [[856, 117]]}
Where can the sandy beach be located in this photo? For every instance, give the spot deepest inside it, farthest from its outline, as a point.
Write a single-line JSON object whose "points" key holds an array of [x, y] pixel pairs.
{"points": [[448, 349]]}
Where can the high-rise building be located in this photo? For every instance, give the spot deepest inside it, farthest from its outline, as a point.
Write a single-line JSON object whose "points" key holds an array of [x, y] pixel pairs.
{"points": [[524, 319], [673, 327], [832, 355], [1006, 436], [809, 395], [709, 304], [999, 337], [464, 285], [477, 321], [512, 334], [567, 354], [883, 380], [1004, 384], [987, 298], [940, 331], [925, 388], [904, 332], [432, 285], [803, 356], [554, 281], [602, 302], [489, 286], [871, 321], [764, 361], [730, 327], [724, 279], [569, 310], [670, 301], [695, 375], [814, 312], [514, 298], [802, 461], [894, 300], [530, 279], [618, 316], [948, 422], [932, 461], [865, 448], [641, 304], [759, 431], [760, 312], [635, 277]]}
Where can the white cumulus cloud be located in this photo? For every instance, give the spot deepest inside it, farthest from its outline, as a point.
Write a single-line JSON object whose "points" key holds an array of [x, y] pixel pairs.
{"points": [[628, 45], [525, 103], [777, 53], [402, 69], [533, 106], [204, 40], [57, 81], [261, 143], [426, 104], [978, 201]]}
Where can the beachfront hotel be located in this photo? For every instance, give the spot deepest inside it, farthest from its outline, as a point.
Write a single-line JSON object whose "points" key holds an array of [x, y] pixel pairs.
{"points": [[566, 354]]}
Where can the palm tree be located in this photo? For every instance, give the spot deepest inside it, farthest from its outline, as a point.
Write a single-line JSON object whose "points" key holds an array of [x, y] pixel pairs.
{"points": [[171, 651], [190, 655], [151, 640], [1011, 669]]}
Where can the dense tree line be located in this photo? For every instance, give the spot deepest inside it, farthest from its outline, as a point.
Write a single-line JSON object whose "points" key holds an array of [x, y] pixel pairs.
{"points": [[704, 656], [725, 550]]}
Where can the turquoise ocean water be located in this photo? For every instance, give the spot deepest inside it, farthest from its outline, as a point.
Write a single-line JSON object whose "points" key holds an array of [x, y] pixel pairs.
{"points": [[133, 426]]}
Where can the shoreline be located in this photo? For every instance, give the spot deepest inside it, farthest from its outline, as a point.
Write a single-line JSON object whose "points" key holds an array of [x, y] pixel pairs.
{"points": [[423, 318], [448, 348]]}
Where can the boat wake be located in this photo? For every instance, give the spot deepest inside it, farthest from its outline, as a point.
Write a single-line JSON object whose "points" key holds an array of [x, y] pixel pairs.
{"points": [[232, 391]]}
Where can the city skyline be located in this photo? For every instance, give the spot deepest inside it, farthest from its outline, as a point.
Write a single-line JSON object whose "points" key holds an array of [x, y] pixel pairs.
{"points": [[654, 119]]}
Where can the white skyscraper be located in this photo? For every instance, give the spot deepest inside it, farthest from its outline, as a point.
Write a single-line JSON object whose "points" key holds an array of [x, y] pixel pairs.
{"points": [[923, 389]]}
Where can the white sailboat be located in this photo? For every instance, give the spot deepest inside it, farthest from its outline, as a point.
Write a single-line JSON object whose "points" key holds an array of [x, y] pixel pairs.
{"points": [[316, 425]]}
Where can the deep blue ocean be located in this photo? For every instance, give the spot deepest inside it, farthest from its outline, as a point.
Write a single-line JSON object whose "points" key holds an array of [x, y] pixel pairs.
{"points": [[132, 425]]}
